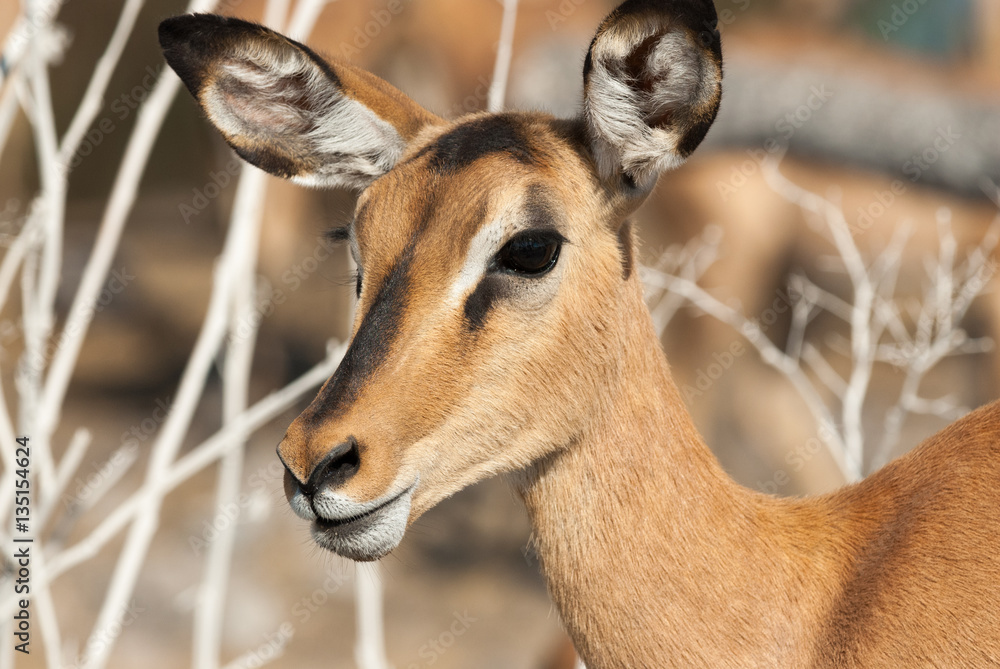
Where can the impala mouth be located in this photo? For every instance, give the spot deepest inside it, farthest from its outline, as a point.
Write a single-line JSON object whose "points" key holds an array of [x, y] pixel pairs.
{"points": [[370, 533]]}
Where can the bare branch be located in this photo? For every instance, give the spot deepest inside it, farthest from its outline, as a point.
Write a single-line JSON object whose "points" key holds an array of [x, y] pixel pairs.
{"points": [[501, 67], [187, 466]]}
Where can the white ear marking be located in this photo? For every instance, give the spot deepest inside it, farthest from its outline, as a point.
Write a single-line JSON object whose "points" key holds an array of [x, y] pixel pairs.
{"points": [[652, 89], [286, 97], [285, 109]]}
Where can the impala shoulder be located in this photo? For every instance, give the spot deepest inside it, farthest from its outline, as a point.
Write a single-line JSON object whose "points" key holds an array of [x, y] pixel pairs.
{"points": [[973, 438], [950, 477]]}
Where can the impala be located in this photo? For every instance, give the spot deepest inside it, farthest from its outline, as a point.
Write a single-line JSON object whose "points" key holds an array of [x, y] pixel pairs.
{"points": [[501, 329]]}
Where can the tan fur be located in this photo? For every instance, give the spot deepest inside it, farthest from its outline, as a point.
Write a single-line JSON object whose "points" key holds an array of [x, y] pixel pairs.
{"points": [[654, 557]]}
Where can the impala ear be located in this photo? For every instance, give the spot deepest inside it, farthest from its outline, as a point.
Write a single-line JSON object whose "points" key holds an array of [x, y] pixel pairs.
{"points": [[652, 85], [285, 109]]}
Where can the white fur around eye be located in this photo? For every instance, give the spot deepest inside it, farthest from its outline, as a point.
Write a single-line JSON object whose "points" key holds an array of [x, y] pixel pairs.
{"points": [[484, 245]]}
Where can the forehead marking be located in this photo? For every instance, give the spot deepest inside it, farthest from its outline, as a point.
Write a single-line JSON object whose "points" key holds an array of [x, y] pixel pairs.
{"points": [[461, 146]]}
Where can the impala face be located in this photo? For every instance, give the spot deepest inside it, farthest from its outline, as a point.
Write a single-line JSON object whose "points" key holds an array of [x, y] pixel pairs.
{"points": [[464, 316], [495, 267]]}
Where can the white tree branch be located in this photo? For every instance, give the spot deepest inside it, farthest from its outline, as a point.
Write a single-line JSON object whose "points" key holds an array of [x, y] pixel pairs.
{"points": [[93, 98], [501, 66], [187, 466], [210, 614]]}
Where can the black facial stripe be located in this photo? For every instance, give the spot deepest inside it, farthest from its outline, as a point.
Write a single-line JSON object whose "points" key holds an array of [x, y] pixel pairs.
{"points": [[460, 147], [379, 327], [370, 346], [488, 292]]}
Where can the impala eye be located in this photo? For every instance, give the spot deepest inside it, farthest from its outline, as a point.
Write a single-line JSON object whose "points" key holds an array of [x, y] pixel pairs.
{"points": [[531, 253]]}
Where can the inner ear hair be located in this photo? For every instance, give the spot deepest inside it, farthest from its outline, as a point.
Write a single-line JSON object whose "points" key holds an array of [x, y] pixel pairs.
{"points": [[284, 108], [652, 86]]}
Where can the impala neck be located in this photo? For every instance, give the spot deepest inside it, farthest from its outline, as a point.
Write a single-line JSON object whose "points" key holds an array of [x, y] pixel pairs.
{"points": [[650, 551]]}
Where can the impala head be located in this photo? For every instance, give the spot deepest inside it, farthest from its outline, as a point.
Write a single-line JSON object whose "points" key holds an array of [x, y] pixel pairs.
{"points": [[496, 266]]}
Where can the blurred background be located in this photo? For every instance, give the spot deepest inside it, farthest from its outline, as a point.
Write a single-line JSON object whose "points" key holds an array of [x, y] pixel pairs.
{"points": [[891, 107]]}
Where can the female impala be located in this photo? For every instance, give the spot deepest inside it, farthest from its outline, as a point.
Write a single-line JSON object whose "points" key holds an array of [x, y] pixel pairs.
{"points": [[501, 328]]}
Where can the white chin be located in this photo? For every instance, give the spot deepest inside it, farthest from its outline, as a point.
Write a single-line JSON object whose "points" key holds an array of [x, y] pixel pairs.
{"points": [[369, 536]]}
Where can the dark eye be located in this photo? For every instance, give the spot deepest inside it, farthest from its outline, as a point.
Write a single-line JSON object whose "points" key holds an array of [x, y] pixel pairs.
{"points": [[357, 282], [530, 253]]}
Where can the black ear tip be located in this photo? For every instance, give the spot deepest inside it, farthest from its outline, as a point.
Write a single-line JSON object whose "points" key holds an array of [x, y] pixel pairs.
{"points": [[186, 40], [204, 32], [166, 32], [174, 29], [195, 27]]}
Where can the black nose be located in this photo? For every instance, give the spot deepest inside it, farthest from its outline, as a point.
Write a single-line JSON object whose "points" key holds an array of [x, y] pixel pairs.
{"points": [[334, 470]]}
